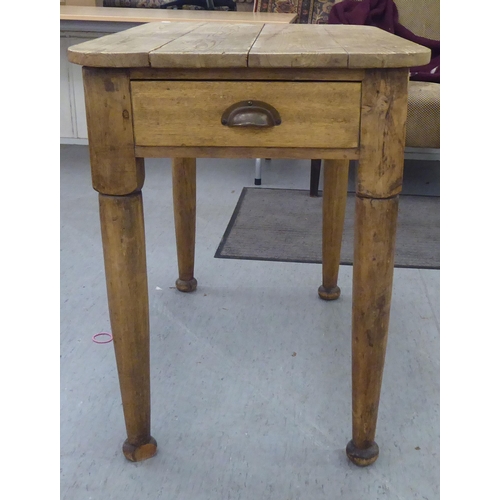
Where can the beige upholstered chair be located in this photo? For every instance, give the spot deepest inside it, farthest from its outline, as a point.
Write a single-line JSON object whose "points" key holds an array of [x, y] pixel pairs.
{"points": [[422, 18], [422, 126]]}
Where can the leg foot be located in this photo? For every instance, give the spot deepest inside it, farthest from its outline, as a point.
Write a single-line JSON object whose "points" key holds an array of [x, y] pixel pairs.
{"points": [[332, 293], [144, 451], [186, 286], [362, 456]]}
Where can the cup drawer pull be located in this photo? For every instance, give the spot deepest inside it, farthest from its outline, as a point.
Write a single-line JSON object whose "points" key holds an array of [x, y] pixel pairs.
{"points": [[251, 114]]}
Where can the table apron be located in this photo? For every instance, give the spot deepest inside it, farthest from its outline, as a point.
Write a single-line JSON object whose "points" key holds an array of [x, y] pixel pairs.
{"points": [[245, 152], [264, 74]]}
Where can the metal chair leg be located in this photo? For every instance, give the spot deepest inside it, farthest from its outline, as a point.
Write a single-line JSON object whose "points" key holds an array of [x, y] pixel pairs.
{"points": [[315, 173], [258, 178]]}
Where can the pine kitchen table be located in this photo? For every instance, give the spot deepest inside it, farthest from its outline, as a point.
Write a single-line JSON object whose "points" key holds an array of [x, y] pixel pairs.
{"points": [[194, 90]]}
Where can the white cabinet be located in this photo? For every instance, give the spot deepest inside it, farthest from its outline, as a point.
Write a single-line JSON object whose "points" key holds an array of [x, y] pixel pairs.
{"points": [[66, 117], [73, 119], [81, 117]]}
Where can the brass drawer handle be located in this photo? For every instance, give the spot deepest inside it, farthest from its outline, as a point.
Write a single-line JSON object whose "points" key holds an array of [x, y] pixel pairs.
{"points": [[251, 114]]}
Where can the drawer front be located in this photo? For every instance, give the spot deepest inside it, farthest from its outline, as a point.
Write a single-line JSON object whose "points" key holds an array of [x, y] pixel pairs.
{"points": [[188, 113]]}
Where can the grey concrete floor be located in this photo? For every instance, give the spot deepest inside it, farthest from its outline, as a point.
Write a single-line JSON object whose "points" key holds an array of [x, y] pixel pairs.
{"points": [[250, 374]]}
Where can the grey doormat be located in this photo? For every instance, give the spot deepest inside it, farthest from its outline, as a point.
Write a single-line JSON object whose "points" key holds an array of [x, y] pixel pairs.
{"points": [[285, 225]]}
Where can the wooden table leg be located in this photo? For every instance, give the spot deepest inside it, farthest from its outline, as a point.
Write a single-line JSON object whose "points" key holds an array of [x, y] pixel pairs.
{"points": [[372, 289], [118, 176], [336, 174], [184, 196], [122, 226], [379, 180]]}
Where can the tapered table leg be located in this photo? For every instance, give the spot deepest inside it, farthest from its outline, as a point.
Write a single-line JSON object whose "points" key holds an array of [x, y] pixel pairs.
{"points": [[336, 174], [378, 183], [372, 290], [184, 199], [118, 176], [122, 226]]}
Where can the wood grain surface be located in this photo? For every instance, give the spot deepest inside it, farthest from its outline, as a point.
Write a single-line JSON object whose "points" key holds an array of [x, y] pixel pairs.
{"points": [[115, 169], [129, 48], [383, 128], [293, 46], [245, 152], [374, 243], [212, 45], [336, 176], [207, 45], [184, 197], [123, 239], [184, 113]]}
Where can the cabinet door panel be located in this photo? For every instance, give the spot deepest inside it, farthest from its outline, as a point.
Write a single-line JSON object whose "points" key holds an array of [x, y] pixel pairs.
{"points": [[81, 119], [66, 121]]}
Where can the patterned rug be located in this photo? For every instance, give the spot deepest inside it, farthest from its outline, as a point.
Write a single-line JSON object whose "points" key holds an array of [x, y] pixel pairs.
{"points": [[309, 11]]}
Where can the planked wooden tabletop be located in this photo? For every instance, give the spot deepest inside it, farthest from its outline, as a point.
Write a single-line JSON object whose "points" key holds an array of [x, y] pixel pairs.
{"points": [[228, 45]]}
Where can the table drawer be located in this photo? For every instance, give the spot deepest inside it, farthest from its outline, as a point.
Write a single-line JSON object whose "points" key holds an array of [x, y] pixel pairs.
{"points": [[189, 113]]}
